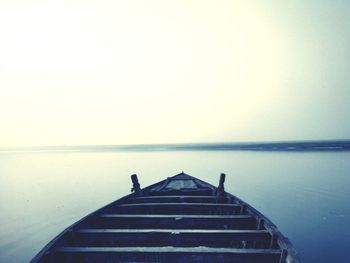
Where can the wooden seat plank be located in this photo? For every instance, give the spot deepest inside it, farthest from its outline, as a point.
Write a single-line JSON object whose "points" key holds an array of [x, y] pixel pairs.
{"points": [[165, 254], [169, 237], [175, 208], [140, 221], [174, 199]]}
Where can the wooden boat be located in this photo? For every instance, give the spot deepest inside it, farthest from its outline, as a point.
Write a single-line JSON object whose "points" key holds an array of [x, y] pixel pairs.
{"points": [[180, 219]]}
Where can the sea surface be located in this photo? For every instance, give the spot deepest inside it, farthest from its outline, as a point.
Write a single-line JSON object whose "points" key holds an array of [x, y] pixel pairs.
{"points": [[306, 194]]}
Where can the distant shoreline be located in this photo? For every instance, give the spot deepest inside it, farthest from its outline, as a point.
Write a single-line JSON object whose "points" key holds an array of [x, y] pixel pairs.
{"points": [[287, 146]]}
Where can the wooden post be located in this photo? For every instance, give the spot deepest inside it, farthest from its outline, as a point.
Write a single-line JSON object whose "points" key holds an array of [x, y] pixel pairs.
{"points": [[220, 193], [135, 185]]}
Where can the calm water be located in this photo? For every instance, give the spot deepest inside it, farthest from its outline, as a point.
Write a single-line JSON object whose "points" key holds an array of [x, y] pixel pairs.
{"points": [[305, 194]]}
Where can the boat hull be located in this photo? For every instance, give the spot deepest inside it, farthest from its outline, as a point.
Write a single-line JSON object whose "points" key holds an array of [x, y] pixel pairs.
{"points": [[179, 219]]}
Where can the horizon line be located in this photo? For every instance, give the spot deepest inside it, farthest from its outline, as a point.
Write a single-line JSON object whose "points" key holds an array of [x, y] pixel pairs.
{"points": [[296, 145]]}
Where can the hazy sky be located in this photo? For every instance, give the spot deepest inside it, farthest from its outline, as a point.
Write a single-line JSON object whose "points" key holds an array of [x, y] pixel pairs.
{"points": [[114, 72]]}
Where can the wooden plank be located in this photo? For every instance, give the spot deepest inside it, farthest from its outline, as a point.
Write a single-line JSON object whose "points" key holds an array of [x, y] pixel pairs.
{"points": [[134, 221], [165, 254], [172, 231], [210, 205], [168, 237], [169, 249], [176, 216], [178, 208], [173, 199], [198, 192], [177, 196]]}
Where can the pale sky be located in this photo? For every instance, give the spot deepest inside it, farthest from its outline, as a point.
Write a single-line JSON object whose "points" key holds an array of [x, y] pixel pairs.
{"points": [[119, 72]]}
